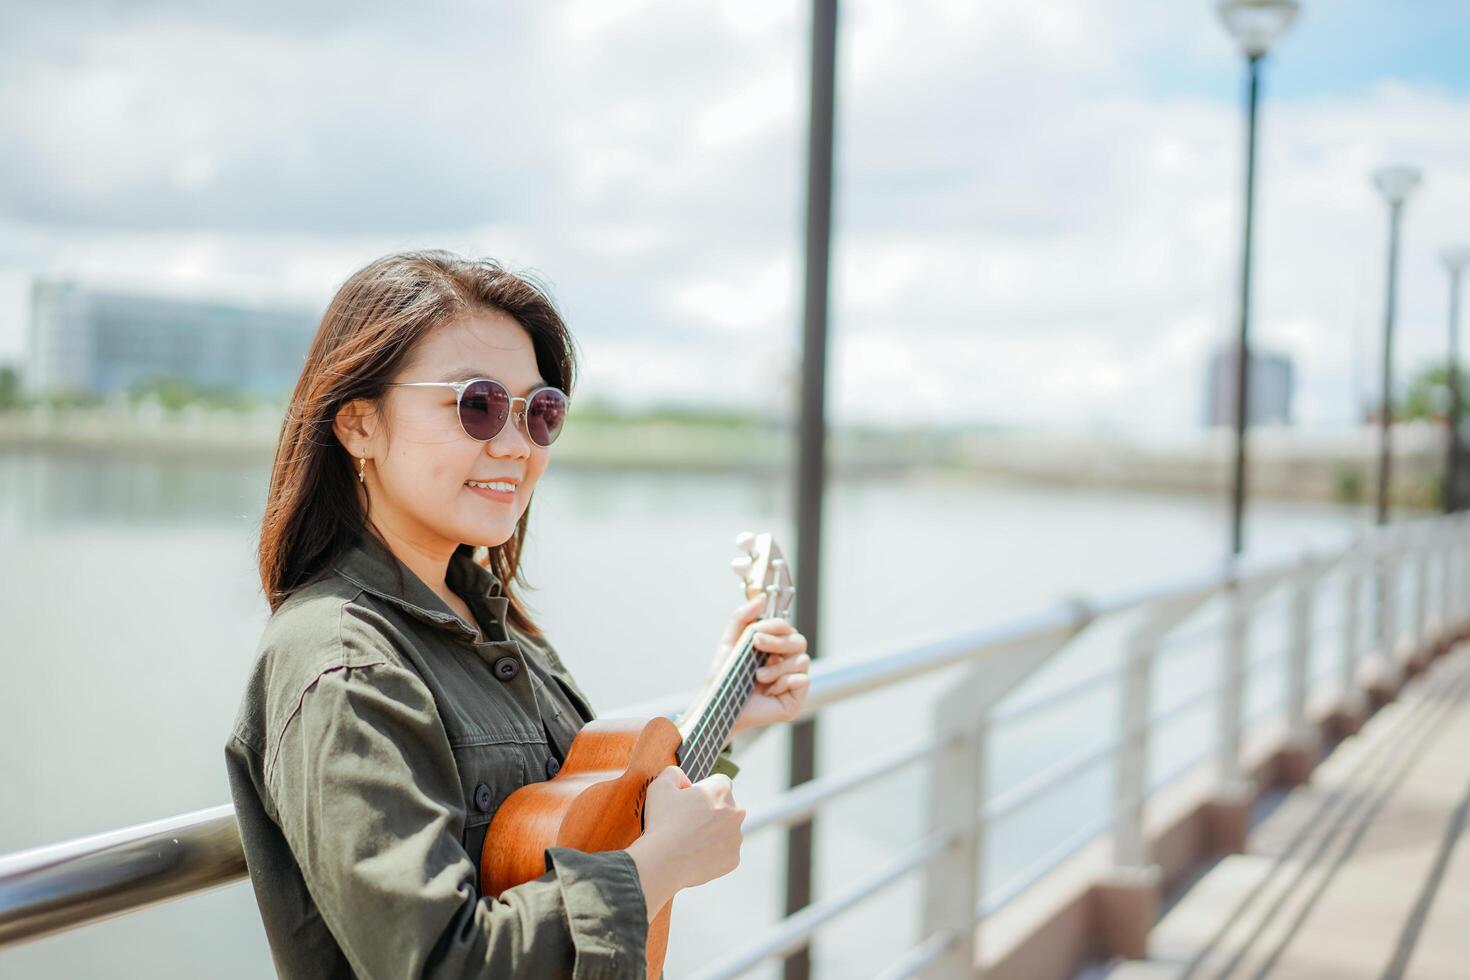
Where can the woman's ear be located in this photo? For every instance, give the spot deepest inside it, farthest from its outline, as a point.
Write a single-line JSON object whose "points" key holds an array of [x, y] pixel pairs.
{"points": [[355, 425]]}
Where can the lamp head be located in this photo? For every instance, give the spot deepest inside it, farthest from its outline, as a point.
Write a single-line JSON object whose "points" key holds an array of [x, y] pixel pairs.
{"points": [[1256, 24], [1395, 181]]}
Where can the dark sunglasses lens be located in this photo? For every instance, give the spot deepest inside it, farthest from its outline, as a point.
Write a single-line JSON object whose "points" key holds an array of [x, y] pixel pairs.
{"points": [[545, 413], [483, 409]]}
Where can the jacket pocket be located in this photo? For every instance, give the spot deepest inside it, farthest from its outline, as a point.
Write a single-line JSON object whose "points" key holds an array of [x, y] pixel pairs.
{"points": [[487, 775]]}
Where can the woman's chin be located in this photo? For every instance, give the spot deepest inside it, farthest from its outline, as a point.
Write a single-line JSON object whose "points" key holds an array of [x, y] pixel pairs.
{"points": [[492, 536]]}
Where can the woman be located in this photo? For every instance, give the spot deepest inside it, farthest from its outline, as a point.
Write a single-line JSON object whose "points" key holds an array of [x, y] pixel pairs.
{"points": [[402, 691]]}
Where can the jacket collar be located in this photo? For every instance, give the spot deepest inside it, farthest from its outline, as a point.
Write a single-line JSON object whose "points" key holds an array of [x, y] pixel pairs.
{"points": [[374, 568]]}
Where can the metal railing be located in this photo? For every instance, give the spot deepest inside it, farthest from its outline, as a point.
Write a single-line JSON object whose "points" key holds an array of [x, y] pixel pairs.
{"points": [[55, 888]]}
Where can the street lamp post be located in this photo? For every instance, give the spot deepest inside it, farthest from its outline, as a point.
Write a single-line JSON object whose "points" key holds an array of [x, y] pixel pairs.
{"points": [[1394, 182], [1456, 257], [1254, 24]]}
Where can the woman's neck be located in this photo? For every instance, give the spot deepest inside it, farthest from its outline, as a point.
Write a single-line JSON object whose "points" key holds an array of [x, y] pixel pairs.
{"points": [[428, 561]]}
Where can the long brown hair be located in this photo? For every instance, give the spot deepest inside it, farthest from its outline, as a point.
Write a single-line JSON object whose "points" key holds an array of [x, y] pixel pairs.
{"points": [[313, 511]]}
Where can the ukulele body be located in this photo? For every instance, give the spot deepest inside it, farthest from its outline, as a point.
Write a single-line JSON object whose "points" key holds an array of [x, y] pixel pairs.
{"points": [[594, 803]]}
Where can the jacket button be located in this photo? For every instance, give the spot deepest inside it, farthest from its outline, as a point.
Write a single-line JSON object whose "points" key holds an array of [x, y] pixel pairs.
{"points": [[552, 767], [482, 798], [506, 668]]}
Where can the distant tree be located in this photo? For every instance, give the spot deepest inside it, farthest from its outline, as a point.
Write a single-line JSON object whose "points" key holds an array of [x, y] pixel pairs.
{"points": [[10, 396], [71, 398], [602, 410], [1348, 484], [175, 393], [1428, 395]]}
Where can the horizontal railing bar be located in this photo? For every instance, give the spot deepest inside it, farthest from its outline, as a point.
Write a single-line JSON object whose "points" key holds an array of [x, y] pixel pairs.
{"points": [[1180, 642], [1068, 692], [53, 888], [1333, 626], [1040, 867], [795, 805], [1182, 768], [1250, 666], [1002, 804], [1332, 667], [831, 682], [794, 930], [1271, 656], [1183, 706], [919, 958], [1276, 704]]}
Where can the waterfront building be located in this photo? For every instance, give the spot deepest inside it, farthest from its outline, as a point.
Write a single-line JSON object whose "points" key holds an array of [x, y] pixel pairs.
{"points": [[1271, 386], [102, 341]]}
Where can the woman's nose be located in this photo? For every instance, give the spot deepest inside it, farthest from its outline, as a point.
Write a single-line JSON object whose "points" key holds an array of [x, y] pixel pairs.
{"points": [[511, 442]]}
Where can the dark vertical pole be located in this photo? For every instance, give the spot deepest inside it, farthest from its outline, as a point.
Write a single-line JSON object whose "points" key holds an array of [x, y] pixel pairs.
{"points": [[1452, 378], [811, 465], [1386, 409], [1243, 350]]}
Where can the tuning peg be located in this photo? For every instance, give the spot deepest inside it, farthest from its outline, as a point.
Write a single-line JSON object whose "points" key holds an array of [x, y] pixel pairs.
{"points": [[740, 566], [745, 541]]}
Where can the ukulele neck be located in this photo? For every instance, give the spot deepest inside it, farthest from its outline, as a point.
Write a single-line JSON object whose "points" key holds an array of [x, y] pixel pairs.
{"points": [[707, 724]]}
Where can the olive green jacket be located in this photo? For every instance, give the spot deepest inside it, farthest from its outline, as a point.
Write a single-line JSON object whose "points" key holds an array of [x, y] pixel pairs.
{"points": [[374, 742]]}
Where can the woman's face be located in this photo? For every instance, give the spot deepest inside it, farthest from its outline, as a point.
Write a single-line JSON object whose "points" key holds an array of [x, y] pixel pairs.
{"points": [[422, 459]]}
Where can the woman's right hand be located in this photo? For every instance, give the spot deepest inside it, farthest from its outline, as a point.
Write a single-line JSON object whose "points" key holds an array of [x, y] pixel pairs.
{"points": [[691, 834]]}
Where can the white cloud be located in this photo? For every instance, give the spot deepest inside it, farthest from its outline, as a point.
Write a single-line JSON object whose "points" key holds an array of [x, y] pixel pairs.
{"points": [[1029, 227], [756, 302]]}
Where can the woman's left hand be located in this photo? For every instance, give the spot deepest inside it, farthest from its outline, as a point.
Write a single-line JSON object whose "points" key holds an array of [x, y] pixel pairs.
{"points": [[781, 685]]}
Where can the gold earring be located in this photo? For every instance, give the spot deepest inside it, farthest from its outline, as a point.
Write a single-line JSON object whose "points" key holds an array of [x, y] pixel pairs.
{"points": [[361, 469]]}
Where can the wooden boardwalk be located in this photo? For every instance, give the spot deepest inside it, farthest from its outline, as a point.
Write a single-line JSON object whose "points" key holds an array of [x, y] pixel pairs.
{"points": [[1362, 873]]}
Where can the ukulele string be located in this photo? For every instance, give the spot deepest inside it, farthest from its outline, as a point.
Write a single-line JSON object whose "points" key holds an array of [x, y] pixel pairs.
{"points": [[724, 718], [697, 744], [704, 749]]}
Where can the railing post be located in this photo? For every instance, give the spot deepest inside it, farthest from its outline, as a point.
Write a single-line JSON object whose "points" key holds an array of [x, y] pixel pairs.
{"points": [[1443, 545], [1352, 706], [1232, 686], [1420, 656], [1454, 583], [1458, 600], [1445, 553], [1387, 671], [1458, 582], [1128, 896], [956, 789], [953, 882], [1229, 809], [1131, 788], [1299, 755], [1390, 627]]}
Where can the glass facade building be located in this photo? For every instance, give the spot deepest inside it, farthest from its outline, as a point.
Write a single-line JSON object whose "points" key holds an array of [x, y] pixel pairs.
{"points": [[103, 342]]}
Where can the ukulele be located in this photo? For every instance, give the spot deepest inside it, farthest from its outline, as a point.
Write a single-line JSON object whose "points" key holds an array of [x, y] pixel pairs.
{"points": [[595, 802]]}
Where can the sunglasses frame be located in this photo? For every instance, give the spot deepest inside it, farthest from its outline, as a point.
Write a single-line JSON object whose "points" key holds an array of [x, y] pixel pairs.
{"points": [[461, 386]]}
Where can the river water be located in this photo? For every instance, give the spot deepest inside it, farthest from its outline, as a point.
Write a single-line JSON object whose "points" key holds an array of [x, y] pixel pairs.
{"points": [[131, 612]]}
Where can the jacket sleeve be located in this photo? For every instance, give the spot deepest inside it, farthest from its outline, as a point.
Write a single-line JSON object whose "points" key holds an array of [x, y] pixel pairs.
{"points": [[365, 786]]}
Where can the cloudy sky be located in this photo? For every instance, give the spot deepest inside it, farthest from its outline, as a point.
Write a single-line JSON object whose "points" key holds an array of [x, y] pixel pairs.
{"points": [[1038, 203]]}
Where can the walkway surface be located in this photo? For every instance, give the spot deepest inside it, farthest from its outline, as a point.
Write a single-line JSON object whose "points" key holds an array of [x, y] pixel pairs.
{"points": [[1363, 873]]}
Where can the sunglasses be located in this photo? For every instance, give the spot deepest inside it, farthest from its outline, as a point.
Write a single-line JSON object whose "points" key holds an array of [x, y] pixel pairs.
{"points": [[485, 405]]}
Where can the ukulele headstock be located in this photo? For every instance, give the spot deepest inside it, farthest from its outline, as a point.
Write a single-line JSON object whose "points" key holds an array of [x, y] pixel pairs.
{"points": [[764, 571]]}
